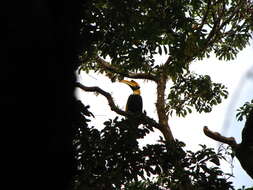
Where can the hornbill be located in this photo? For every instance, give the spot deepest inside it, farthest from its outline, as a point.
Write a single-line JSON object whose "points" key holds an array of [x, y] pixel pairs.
{"points": [[134, 102]]}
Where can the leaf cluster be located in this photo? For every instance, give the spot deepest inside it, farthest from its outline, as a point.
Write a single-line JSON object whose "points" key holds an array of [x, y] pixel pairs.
{"points": [[244, 111], [132, 32], [112, 159], [194, 91]]}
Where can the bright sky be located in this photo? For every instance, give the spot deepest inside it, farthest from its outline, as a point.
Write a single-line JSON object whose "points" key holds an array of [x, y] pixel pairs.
{"points": [[233, 74]]}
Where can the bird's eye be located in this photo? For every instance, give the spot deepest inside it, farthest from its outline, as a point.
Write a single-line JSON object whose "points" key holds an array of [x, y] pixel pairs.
{"points": [[136, 87]]}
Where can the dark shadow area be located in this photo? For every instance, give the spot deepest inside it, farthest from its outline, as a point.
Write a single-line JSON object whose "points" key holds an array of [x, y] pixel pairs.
{"points": [[37, 99]]}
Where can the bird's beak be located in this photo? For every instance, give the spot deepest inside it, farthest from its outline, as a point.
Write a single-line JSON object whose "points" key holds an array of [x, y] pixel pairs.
{"points": [[133, 85], [127, 82]]}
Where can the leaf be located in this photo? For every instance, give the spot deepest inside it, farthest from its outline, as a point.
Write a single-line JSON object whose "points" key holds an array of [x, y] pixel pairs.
{"points": [[215, 160], [205, 168], [189, 109], [160, 51], [201, 156], [165, 50]]}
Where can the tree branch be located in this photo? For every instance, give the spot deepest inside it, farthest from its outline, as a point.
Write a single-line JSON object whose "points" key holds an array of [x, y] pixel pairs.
{"points": [[205, 16], [218, 137], [144, 119], [160, 107], [218, 26], [105, 94], [243, 151], [168, 61], [107, 66]]}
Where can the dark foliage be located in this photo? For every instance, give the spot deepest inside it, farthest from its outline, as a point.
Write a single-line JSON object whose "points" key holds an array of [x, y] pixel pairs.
{"points": [[112, 158], [244, 151], [193, 90], [132, 33]]}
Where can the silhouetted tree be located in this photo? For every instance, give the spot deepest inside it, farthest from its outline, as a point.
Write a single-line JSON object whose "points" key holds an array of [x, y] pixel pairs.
{"points": [[131, 33]]}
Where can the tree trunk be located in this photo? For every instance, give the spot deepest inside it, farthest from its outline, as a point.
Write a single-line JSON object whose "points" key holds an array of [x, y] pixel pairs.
{"points": [[160, 106]]}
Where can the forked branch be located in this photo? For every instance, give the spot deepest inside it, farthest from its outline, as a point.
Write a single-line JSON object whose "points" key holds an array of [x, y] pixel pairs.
{"points": [[144, 119]]}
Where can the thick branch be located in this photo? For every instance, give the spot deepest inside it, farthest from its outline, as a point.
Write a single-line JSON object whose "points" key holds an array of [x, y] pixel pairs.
{"points": [[149, 122], [218, 137], [160, 106], [243, 152], [105, 94], [107, 66]]}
